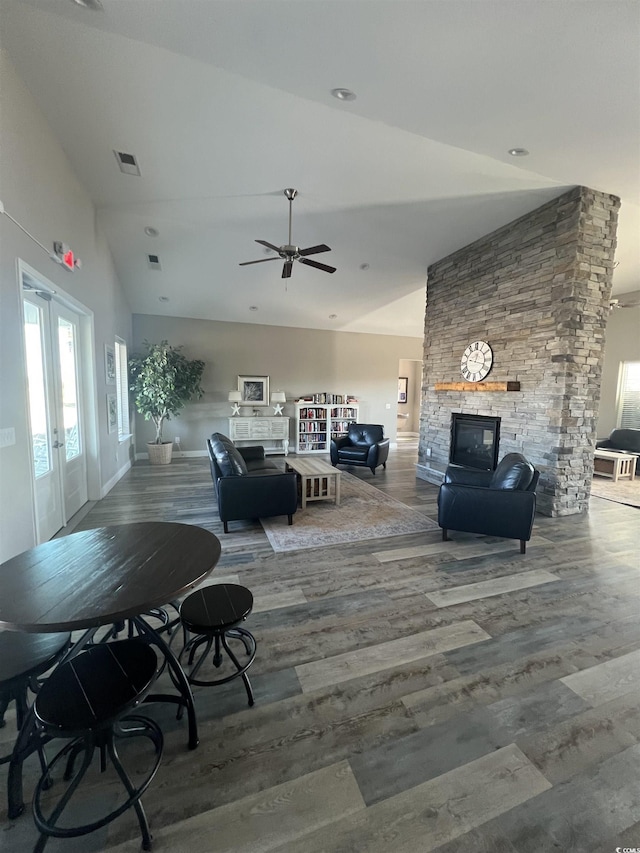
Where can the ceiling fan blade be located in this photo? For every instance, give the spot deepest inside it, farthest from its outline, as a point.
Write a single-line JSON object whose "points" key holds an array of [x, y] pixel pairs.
{"points": [[286, 269], [314, 250], [261, 261], [317, 265], [268, 245]]}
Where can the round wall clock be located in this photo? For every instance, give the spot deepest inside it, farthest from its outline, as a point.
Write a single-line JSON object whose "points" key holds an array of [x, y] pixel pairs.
{"points": [[476, 361]]}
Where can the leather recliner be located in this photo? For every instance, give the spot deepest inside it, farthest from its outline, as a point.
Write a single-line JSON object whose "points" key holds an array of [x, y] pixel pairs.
{"points": [[247, 485], [364, 444], [495, 503]]}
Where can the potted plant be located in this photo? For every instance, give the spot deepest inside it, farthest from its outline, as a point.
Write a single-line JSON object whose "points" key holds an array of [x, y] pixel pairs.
{"points": [[162, 380]]}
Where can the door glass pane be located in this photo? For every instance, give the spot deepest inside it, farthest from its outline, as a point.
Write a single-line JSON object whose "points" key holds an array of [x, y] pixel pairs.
{"points": [[67, 348], [37, 394]]}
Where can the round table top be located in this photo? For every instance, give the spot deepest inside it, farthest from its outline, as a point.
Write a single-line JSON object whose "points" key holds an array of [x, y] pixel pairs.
{"points": [[100, 576]]}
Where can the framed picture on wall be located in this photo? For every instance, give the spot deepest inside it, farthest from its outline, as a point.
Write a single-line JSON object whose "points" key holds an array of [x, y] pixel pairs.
{"points": [[403, 383], [109, 364], [112, 412], [254, 390]]}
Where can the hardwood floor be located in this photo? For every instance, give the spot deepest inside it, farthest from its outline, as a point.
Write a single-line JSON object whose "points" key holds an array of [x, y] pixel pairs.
{"points": [[411, 694]]}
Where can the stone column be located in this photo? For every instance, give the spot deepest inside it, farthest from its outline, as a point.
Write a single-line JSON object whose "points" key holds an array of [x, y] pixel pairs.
{"points": [[538, 291]]}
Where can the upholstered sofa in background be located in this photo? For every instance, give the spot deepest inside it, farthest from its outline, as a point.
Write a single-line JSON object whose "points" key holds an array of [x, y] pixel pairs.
{"points": [[622, 441], [248, 485]]}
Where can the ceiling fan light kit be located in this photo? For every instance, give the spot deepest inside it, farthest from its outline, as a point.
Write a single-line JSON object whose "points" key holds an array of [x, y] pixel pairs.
{"points": [[289, 252]]}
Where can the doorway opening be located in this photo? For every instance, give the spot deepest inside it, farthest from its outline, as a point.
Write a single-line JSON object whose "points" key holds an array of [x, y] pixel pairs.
{"points": [[409, 395]]}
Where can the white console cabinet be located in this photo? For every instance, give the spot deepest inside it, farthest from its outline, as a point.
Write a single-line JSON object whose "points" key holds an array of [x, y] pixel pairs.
{"points": [[271, 433]]}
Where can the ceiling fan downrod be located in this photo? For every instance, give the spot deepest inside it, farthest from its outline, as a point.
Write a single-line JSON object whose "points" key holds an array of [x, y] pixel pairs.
{"points": [[290, 194]]}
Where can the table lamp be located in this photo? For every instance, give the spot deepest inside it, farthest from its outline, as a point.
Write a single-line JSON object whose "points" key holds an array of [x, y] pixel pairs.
{"points": [[277, 398], [235, 397]]}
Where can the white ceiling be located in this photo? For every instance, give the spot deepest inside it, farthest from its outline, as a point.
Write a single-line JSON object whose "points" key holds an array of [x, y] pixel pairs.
{"points": [[227, 102]]}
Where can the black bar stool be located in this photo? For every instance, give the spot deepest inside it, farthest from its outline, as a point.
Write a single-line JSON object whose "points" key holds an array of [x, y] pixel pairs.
{"points": [[87, 699], [214, 614], [24, 657]]}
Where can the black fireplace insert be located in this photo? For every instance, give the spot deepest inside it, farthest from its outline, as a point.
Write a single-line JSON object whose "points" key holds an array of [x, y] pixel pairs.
{"points": [[474, 441]]}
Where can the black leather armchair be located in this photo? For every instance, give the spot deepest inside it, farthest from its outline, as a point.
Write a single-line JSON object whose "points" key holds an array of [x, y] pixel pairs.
{"points": [[495, 503], [364, 444], [248, 485]]}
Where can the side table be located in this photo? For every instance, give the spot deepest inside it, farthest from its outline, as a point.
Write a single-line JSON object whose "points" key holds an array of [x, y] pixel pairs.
{"points": [[617, 466]]}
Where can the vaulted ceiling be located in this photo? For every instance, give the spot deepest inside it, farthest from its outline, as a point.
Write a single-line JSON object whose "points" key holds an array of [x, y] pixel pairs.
{"points": [[225, 103]]}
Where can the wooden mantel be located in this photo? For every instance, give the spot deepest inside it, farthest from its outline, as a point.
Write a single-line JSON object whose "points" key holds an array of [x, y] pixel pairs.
{"points": [[477, 386]]}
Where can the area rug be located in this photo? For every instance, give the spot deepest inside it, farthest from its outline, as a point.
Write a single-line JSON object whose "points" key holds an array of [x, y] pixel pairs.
{"points": [[622, 492], [364, 513]]}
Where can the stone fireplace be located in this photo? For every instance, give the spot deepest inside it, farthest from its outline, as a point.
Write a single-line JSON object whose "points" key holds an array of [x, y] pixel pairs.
{"points": [[537, 290], [474, 441]]}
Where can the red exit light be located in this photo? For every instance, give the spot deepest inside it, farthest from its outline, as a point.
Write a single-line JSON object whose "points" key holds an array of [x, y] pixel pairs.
{"points": [[65, 256], [68, 260]]}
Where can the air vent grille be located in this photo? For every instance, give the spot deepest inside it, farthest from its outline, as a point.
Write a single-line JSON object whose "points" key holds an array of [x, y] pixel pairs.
{"points": [[127, 163], [154, 262]]}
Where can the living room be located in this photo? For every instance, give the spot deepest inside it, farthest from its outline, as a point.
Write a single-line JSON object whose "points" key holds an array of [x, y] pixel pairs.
{"points": [[290, 337], [367, 338]]}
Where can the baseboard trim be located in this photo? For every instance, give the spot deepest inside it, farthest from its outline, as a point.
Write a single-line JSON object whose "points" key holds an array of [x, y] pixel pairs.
{"points": [[177, 454], [104, 491]]}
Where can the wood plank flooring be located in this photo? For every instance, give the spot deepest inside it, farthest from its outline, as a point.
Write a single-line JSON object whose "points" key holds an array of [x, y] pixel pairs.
{"points": [[411, 694]]}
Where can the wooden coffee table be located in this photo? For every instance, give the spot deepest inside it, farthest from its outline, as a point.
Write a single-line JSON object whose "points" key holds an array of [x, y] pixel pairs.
{"points": [[319, 481], [617, 466]]}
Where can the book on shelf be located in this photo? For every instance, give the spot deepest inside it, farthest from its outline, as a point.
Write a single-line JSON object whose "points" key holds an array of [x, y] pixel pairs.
{"points": [[326, 398]]}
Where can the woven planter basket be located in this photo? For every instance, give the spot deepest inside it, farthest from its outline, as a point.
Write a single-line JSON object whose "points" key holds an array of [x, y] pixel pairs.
{"points": [[160, 454]]}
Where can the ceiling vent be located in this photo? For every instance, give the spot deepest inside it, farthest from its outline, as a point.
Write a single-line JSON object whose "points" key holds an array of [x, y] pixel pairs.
{"points": [[127, 163], [154, 262]]}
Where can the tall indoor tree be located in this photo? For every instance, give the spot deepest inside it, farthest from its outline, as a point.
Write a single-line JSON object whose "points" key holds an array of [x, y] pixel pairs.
{"points": [[163, 379]]}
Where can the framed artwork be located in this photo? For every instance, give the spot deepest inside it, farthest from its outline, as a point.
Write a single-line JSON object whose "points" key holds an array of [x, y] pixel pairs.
{"points": [[403, 382], [112, 412], [109, 364], [254, 390]]}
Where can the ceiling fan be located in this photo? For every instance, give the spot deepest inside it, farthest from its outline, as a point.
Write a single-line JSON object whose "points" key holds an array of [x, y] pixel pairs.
{"points": [[290, 253]]}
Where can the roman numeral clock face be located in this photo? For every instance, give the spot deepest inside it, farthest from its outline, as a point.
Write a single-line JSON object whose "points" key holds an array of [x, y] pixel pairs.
{"points": [[476, 361]]}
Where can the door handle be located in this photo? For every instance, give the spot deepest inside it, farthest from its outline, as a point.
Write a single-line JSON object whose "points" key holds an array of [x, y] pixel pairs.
{"points": [[57, 444]]}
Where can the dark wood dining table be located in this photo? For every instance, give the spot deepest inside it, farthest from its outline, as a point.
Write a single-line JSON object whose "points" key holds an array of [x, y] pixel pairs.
{"points": [[99, 577]]}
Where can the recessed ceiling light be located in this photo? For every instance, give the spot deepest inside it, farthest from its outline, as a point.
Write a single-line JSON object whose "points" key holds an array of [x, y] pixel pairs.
{"points": [[253, 307], [163, 298], [151, 232], [518, 152], [364, 266], [333, 316], [343, 94]]}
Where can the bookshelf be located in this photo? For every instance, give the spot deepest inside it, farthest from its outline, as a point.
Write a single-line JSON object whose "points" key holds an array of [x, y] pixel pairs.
{"points": [[318, 423]]}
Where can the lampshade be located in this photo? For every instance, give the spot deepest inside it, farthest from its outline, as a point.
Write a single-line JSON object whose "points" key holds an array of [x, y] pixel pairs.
{"points": [[235, 397], [278, 397]]}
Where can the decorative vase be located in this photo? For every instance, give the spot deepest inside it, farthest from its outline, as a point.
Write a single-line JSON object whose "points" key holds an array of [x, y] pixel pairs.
{"points": [[160, 454]]}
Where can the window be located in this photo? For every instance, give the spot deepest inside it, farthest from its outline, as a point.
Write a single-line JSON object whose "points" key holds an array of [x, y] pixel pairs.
{"points": [[629, 395], [122, 390]]}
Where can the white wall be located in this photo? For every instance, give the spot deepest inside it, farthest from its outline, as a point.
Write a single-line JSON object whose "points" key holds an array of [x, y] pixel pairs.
{"points": [[298, 362], [622, 344], [39, 189]]}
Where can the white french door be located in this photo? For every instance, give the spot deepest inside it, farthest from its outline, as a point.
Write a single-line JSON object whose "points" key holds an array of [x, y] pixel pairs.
{"points": [[51, 335]]}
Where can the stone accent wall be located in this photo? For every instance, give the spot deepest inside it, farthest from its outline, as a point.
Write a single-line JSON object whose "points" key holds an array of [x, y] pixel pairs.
{"points": [[537, 290]]}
